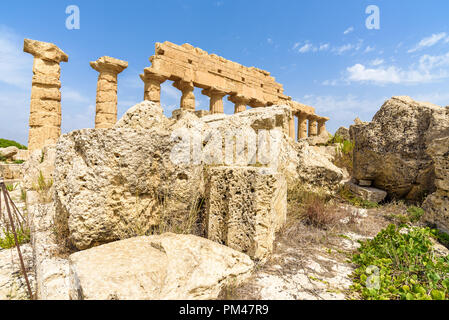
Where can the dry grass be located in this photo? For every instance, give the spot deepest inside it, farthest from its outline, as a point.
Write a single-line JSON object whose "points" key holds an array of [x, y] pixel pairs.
{"points": [[44, 188]]}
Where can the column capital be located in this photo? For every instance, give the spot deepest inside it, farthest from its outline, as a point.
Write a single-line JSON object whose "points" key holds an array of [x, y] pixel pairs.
{"points": [[183, 85], [45, 51], [108, 64], [214, 92], [239, 98], [149, 73]]}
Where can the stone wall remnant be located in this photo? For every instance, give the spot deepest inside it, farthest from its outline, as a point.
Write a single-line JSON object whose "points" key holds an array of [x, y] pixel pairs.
{"points": [[108, 68], [45, 107]]}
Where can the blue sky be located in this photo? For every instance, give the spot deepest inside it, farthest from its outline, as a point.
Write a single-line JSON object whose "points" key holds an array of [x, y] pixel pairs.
{"points": [[321, 51]]}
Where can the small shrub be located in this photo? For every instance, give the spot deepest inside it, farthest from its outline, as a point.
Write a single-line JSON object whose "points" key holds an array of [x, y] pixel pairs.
{"points": [[18, 161], [7, 241], [43, 187], [401, 265], [10, 143], [415, 213], [23, 195], [12, 187]]}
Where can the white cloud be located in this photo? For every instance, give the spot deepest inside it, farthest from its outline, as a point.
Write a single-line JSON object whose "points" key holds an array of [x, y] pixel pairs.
{"points": [[376, 62], [306, 48], [342, 49], [324, 47], [395, 75], [430, 41], [349, 30], [369, 49]]}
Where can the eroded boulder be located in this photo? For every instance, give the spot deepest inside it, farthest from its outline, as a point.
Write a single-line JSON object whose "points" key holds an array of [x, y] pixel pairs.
{"points": [[167, 266], [391, 152]]}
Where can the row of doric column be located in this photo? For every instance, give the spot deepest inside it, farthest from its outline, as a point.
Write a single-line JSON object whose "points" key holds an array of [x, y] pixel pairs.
{"points": [[152, 92], [309, 125], [45, 109]]}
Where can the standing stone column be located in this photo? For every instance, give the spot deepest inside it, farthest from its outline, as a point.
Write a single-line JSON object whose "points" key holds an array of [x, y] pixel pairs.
{"points": [[188, 97], [322, 125], [216, 99], [291, 126], [45, 106], [312, 126], [240, 102], [109, 68], [152, 81], [302, 125]]}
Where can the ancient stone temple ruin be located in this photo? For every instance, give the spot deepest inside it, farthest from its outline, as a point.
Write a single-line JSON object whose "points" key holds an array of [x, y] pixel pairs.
{"points": [[191, 67], [188, 67]]}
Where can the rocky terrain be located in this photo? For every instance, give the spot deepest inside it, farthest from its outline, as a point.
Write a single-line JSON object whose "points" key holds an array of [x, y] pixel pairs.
{"points": [[211, 206]]}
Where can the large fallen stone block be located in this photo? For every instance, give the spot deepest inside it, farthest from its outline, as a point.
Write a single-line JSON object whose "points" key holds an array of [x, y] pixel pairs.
{"points": [[367, 193], [162, 267], [391, 149], [437, 204], [245, 207], [11, 171], [8, 152]]}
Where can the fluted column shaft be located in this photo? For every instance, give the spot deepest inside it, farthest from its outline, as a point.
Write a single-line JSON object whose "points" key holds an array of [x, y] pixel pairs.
{"points": [[240, 102], [188, 97], [312, 127], [152, 90], [45, 106], [106, 106], [302, 126], [216, 99], [291, 127]]}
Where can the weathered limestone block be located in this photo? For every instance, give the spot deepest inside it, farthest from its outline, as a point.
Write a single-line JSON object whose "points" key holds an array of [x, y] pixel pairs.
{"points": [[51, 269], [45, 107], [165, 267], [109, 68], [9, 152], [12, 282], [21, 155], [122, 182], [367, 193], [245, 207], [437, 204], [343, 133], [11, 171], [391, 149], [40, 161], [315, 168]]}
